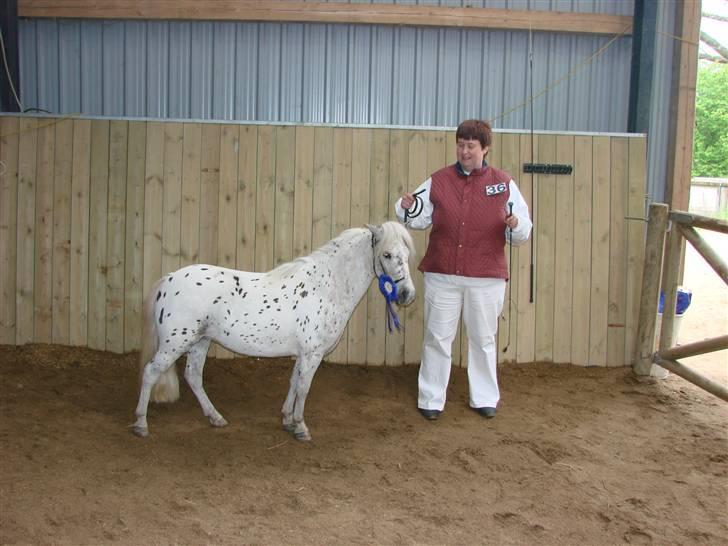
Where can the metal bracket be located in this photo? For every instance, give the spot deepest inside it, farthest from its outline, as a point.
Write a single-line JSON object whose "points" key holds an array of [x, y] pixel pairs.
{"points": [[546, 168]]}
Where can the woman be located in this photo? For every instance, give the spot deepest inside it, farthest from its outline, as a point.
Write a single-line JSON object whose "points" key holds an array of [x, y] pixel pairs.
{"points": [[474, 209]]}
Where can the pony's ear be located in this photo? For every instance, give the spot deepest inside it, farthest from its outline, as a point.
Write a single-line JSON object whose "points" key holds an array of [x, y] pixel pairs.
{"points": [[377, 231]]}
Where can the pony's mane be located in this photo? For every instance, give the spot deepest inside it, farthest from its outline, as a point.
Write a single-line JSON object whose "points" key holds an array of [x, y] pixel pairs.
{"points": [[391, 230]]}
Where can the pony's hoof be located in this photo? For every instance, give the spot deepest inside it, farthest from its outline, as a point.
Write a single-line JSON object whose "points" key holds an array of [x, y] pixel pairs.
{"points": [[142, 432], [302, 436], [289, 427], [219, 422]]}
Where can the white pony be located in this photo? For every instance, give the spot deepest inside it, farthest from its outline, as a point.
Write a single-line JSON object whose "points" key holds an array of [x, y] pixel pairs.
{"points": [[298, 309]]}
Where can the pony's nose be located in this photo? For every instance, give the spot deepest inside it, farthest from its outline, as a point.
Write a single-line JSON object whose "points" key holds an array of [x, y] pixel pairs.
{"points": [[405, 296]]}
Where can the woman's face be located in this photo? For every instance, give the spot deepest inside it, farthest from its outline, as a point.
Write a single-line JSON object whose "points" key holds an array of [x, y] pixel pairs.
{"points": [[470, 154]]}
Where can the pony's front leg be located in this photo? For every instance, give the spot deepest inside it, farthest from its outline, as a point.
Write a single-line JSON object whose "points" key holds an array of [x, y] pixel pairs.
{"points": [[287, 409], [303, 384]]}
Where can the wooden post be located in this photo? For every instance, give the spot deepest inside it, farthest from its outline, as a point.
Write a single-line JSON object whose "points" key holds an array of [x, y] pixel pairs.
{"points": [[682, 110], [694, 377], [656, 226], [673, 255], [698, 221], [698, 348]]}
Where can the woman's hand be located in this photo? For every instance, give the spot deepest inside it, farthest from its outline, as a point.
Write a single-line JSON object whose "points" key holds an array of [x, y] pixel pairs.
{"points": [[511, 221], [408, 200]]}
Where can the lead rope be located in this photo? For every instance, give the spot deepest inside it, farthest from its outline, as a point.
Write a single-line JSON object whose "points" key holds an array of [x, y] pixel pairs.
{"points": [[417, 209]]}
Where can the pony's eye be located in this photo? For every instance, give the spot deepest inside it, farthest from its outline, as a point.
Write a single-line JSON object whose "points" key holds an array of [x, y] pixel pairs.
{"points": [[387, 255]]}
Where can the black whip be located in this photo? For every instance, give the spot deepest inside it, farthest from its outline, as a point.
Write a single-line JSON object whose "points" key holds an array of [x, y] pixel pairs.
{"points": [[533, 192], [510, 280]]}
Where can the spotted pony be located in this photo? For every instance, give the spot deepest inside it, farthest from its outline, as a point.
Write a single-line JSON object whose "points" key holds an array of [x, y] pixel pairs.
{"points": [[298, 309]]}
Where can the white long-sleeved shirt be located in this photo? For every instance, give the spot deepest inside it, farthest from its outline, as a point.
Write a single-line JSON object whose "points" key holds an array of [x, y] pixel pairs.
{"points": [[517, 236]]}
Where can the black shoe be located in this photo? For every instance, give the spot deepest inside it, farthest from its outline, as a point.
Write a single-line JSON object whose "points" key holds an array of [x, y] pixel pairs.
{"points": [[430, 414], [488, 413]]}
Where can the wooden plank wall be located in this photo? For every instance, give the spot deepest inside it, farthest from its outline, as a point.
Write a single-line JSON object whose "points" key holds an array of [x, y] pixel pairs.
{"points": [[93, 211]]}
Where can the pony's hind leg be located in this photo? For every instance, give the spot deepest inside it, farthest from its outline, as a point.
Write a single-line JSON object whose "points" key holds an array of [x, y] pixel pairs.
{"points": [[287, 409], [152, 371], [193, 374]]}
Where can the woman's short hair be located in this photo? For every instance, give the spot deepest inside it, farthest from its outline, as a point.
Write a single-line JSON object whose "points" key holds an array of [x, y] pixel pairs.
{"points": [[475, 129]]}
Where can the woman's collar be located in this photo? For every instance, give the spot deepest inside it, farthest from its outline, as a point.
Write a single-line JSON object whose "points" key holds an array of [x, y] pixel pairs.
{"points": [[461, 171]]}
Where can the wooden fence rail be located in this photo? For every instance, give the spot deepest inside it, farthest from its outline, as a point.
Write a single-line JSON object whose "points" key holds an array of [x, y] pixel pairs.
{"points": [[94, 210], [645, 355]]}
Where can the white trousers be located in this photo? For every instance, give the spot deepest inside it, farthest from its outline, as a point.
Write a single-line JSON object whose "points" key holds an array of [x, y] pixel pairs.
{"points": [[481, 302]]}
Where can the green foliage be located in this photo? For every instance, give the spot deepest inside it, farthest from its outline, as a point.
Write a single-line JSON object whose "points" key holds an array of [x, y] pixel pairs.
{"points": [[710, 152]]}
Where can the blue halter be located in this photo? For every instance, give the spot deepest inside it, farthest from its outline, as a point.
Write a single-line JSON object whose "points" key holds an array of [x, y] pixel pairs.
{"points": [[388, 288]]}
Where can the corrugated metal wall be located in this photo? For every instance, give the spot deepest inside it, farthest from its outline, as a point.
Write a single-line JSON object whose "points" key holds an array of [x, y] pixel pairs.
{"points": [[347, 74], [326, 73]]}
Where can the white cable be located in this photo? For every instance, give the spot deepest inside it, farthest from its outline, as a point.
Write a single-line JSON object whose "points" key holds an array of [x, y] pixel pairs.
{"points": [[7, 71]]}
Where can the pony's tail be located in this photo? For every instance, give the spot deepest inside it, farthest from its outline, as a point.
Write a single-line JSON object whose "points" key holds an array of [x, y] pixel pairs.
{"points": [[166, 389]]}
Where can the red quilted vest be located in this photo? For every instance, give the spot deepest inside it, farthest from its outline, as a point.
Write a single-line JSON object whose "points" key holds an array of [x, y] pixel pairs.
{"points": [[468, 223]]}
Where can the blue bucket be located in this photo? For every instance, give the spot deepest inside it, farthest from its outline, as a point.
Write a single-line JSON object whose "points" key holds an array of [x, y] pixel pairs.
{"points": [[684, 297]]}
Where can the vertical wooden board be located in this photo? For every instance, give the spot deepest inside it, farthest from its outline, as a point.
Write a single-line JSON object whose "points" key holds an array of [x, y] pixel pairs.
{"points": [[265, 199], [581, 290], [323, 179], [285, 186], [209, 193], [341, 211], [545, 244], [360, 179], [564, 252], [228, 203], [153, 205], [600, 254], [526, 309], [398, 184], [134, 234], [496, 151], [116, 230], [247, 191], [636, 232], [616, 310], [98, 199], [210, 200], [228, 196], [189, 236], [9, 146], [43, 292], [25, 245], [62, 175], [417, 173], [303, 191], [509, 145], [80, 233], [379, 207], [172, 198]]}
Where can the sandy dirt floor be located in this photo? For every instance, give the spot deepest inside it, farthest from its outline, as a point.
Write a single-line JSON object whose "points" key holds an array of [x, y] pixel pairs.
{"points": [[576, 455]]}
